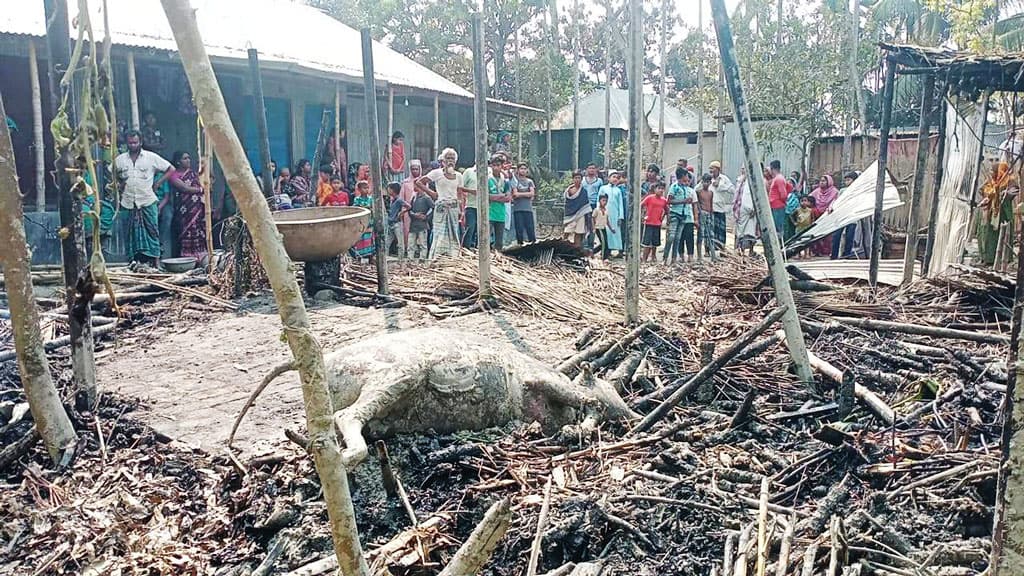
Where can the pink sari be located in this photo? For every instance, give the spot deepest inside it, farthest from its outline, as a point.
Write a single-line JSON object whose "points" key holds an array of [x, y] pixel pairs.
{"points": [[823, 199]]}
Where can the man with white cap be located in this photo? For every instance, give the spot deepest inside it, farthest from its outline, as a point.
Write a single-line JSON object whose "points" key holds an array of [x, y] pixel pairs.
{"points": [[723, 193]]}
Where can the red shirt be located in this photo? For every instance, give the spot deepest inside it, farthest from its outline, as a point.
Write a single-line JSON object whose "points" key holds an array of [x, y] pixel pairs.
{"points": [[778, 192], [656, 207], [336, 199]]}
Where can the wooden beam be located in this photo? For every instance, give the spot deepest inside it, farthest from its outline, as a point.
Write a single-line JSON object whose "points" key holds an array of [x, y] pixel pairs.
{"points": [[133, 92], [39, 148], [769, 236], [337, 127], [483, 249], [940, 170], [883, 157], [914, 217], [700, 90], [380, 243], [391, 116], [634, 63]]}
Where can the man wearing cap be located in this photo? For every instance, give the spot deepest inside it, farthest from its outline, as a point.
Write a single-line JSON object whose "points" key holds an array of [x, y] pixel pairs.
{"points": [[723, 192]]}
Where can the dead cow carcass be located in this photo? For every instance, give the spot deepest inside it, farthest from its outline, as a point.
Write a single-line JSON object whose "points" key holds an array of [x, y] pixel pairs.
{"points": [[444, 380]]}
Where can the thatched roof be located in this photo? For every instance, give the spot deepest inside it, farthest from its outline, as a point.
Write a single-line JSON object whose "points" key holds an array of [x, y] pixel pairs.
{"points": [[964, 72]]}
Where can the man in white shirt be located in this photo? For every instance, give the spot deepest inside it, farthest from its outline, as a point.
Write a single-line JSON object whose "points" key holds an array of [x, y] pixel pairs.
{"points": [[469, 221], [448, 184], [136, 170], [723, 193]]}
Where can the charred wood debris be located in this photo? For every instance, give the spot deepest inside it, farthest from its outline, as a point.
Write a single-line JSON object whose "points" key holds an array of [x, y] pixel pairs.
{"points": [[886, 464]]}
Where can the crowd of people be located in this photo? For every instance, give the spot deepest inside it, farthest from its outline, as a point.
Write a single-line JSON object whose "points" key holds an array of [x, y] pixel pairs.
{"points": [[432, 211]]}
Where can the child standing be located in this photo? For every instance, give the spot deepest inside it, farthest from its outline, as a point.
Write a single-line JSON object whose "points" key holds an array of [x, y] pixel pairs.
{"points": [[396, 215], [602, 225], [655, 208], [338, 196], [706, 218], [364, 246], [681, 199], [802, 219], [420, 215]]}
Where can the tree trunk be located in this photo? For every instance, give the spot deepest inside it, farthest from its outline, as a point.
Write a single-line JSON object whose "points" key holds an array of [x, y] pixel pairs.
{"points": [[51, 420], [304, 347]]}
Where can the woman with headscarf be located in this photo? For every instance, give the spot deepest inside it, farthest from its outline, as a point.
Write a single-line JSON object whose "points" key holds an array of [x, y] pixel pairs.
{"points": [[577, 208], [447, 181], [394, 158], [824, 195], [301, 184], [190, 208], [998, 198]]}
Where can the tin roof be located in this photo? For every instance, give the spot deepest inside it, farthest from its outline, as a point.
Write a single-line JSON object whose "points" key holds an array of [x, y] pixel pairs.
{"points": [[285, 33], [678, 120]]}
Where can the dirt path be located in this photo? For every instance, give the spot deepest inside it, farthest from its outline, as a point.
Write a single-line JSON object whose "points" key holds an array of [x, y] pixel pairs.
{"points": [[195, 379]]}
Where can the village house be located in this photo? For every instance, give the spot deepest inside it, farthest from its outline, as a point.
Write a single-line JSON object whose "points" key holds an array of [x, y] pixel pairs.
{"points": [[310, 66], [680, 130]]}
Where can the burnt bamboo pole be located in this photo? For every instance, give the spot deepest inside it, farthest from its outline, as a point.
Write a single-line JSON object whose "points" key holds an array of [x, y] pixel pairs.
{"points": [[69, 206], [769, 236], [1008, 521], [914, 218], [260, 111], [607, 87], [940, 170], [883, 159], [380, 244], [38, 147]]}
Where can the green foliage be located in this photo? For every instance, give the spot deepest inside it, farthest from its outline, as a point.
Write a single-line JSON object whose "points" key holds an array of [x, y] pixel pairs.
{"points": [[551, 187]]}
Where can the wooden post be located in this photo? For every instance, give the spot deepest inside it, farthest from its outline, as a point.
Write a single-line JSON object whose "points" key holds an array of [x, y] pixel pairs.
{"points": [[700, 90], [391, 116], [437, 127], [380, 243], [519, 99], [664, 85], [260, 110], [39, 148], [552, 47], [607, 87], [940, 170], [769, 237], [634, 63], [883, 158], [133, 92], [1008, 524], [914, 218], [976, 177], [337, 127], [58, 43], [483, 174], [304, 347], [519, 136], [720, 127], [206, 181], [576, 87], [50, 419]]}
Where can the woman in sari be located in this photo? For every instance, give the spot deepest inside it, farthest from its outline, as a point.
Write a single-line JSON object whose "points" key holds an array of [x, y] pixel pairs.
{"points": [[998, 198], [363, 248], [577, 210], [190, 215], [301, 184], [394, 159], [824, 195]]}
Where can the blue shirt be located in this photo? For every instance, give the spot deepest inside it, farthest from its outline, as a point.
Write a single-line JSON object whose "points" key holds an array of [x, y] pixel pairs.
{"points": [[685, 211], [593, 190]]}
